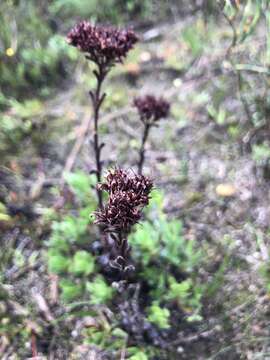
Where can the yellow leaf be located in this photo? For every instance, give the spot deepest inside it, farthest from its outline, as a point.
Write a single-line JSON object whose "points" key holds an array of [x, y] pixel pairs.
{"points": [[225, 190], [4, 217], [10, 52], [132, 68]]}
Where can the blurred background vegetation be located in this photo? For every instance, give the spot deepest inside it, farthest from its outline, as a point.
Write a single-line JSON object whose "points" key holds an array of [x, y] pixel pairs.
{"points": [[34, 54], [208, 228], [35, 59]]}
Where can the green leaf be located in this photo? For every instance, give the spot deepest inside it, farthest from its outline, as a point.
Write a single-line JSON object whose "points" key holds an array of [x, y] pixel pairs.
{"points": [[69, 229], [193, 39], [194, 318], [117, 332], [81, 184], [100, 292], [179, 291], [260, 153], [70, 290], [3, 209], [57, 262], [139, 356], [145, 242], [4, 217], [82, 263], [159, 316]]}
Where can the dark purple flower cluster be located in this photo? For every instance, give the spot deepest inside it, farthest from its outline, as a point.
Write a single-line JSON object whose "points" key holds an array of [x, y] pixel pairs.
{"points": [[128, 194], [104, 45], [151, 109]]}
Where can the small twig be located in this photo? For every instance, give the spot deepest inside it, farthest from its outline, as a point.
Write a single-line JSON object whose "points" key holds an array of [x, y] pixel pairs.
{"points": [[84, 129], [126, 128], [76, 148], [117, 114], [51, 346], [4, 344], [54, 289], [257, 69], [234, 31], [37, 187], [242, 97], [238, 73], [123, 352], [43, 307], [195, 337], [34, 345]]}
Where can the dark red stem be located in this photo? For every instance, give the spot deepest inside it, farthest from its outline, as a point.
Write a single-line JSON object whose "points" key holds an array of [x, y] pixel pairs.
{"points": [[97, 99], [142, 149]]}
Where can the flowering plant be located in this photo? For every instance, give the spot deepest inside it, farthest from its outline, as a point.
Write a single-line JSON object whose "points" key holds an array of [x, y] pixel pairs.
{"points": [[105, 46], [128, 195], [150, 109]]}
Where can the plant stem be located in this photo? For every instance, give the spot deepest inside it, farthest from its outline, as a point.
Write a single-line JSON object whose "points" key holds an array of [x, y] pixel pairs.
{"points": [[142, 149], [240, 80], [97, 99]]}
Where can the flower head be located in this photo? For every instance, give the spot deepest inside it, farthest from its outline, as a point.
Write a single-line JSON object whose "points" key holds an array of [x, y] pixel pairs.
{"points": [[104, 45], [128, 194], [151, 109]]}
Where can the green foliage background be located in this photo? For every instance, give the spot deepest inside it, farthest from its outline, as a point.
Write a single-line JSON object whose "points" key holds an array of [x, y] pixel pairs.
{"points": [[33, 54]]}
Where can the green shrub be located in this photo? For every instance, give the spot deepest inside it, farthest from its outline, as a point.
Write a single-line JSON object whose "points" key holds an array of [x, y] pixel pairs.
{"points": [[261, 154], [17, 121], [159, 316], [114, 11], [156, 243], [139, 356], [70, 234], [70, 290], [57, 262], [160, 244], [32, 57], [174, 294], [82, 263], [99, 291]]}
